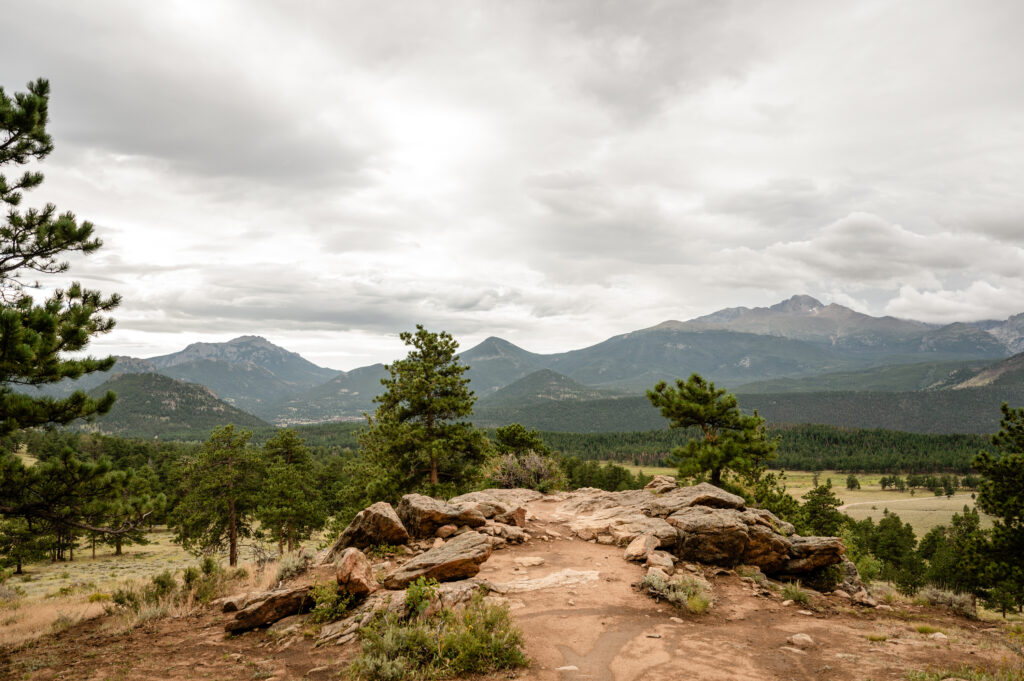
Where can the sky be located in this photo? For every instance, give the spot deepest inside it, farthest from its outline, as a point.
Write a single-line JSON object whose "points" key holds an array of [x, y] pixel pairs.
{"points": [[327, 174]]}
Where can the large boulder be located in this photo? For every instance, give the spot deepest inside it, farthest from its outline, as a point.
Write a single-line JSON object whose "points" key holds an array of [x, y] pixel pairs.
{"points": [[811, 553], [269, 608], [355, 575], [422, 515], [375, 524], [727, 536], [458, 558]]}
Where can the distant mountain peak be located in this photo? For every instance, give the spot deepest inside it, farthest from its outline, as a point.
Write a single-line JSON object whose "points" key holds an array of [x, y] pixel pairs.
{"points": [[798, 303]]}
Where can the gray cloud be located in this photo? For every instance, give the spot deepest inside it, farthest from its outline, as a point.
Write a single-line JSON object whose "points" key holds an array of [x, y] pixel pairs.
{"points": [[555, 172]]}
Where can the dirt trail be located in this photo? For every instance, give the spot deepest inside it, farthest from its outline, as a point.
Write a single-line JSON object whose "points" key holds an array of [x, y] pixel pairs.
{"points": [[592, 625], [901, 500]]}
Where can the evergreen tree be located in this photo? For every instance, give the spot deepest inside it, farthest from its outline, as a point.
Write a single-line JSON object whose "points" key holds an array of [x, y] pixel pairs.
{"points": [[416, 437], [730, 439], [517, 439], [819, 514], [35, 338], [1001, 494], [221, 487], [291, 507]]}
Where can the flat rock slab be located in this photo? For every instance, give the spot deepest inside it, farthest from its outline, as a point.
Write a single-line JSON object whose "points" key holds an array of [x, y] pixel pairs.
{"points": [[458, 558]]}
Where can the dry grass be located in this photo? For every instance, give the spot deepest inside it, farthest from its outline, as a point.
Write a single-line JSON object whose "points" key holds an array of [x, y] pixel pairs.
{"points": [[58, 594]]}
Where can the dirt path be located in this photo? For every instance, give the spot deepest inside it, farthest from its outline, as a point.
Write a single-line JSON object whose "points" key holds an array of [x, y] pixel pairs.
{"points": [[891, 500], [582, 621]]}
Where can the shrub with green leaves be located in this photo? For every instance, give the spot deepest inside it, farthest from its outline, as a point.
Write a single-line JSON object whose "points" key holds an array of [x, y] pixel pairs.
{"points": [[419, 594], [687, 593], [330, 603], [476, 639], [793, 592]]}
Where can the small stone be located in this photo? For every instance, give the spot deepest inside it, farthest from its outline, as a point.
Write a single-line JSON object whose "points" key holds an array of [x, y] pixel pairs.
{"points": [[793, 650], [438, 543], [841, 594], [567, 668], [800, 641], [446, 531], [529, 561], [572, 602], [653, 635], [884, 607], [938, 636], [787, 602], [808, 613], [677, 620]]}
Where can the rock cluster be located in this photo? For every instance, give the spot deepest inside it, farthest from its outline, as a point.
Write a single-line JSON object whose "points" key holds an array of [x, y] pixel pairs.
{"points": [[666, 527], [701, 523]]}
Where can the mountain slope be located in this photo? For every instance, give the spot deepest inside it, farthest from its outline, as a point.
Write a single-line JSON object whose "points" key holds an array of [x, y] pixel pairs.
{"points": [[288, 367], [344, 397], [638, 360], [153, 405], [495, 363], [245, 385], [974, 410], [840, 328], [889, 378], [544, 384], [1007, 373]]}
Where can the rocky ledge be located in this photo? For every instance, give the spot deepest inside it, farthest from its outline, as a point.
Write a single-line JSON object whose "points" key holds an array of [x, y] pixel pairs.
{"points": [[660, 525]]}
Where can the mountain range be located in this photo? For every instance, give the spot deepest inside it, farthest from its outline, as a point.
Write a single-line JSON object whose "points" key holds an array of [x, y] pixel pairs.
{"points": [[797, 346]]}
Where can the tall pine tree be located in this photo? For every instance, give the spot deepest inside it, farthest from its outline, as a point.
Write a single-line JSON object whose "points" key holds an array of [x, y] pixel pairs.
{"points": [[417, 437]]}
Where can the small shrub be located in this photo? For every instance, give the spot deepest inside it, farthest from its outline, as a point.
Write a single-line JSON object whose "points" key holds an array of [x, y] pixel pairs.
{"points": [[687, 594], [209, 566], [330, 604], [793, 592], [190, 576], [291, 566], [161, 585], [927, 629], [752, 572], [419, 594], [477, 639], [381, 551], [877, 638], [961, 604], [99, 597]]}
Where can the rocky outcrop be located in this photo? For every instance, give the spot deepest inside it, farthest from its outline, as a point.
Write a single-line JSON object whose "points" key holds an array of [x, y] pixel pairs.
{"points": [[269, 608], [727, 536], [374, 525], [458, 558], [423, 515], [700, 523], [355, 575]]}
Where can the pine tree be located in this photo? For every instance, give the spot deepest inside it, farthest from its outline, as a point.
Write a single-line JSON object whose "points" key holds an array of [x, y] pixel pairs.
{"points": [[221, 487], [416, 437], [291, 507], [35, 338], [730, 440], [1001, 494]]}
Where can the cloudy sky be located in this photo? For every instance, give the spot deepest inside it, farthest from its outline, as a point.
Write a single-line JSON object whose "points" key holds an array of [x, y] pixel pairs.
{"points": [[327, 174]]}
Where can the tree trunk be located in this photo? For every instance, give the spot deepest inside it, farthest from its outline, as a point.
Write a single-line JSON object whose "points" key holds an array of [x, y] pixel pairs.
{"points": [[17, 568], [232, 535], [716, 477], [433, 471], [117, 545]]}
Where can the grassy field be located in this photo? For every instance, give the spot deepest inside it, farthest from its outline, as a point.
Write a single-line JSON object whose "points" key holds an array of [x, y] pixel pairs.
{"points": [[52, 595], [921, 509]]}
